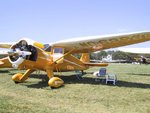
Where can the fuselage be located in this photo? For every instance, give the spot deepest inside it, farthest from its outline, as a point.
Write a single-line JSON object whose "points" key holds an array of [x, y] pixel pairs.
{"points": [[41, 59]]}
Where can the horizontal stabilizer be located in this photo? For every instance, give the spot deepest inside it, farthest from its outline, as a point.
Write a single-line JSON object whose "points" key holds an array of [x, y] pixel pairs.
{"points": [[5, 63], [97, 64]]}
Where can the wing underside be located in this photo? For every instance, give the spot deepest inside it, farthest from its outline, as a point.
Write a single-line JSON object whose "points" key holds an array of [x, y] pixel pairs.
{"points": [[6, 45], [95, 43]]}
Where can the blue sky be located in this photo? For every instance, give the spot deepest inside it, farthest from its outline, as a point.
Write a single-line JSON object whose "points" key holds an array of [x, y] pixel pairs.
{"points": [[54, 20]]}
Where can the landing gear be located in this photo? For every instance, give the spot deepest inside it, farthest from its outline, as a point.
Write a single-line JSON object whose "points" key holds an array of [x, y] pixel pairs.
{"points": [[18, 78], [54, 82]]}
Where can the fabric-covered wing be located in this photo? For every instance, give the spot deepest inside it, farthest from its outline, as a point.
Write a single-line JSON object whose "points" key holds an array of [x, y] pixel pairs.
{"points": [[6, 45], [95, 43], [5, 63]]}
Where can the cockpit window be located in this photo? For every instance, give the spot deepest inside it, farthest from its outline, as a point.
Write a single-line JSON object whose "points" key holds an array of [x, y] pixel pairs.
{"points": [[47, 47], [58, 50]]}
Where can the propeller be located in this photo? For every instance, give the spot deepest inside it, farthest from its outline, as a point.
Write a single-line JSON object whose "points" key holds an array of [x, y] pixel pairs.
{"points": [[16, 52]]}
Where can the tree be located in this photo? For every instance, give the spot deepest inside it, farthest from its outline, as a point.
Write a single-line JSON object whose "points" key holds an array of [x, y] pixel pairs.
{"points": [[120, 55], [98, 55]]}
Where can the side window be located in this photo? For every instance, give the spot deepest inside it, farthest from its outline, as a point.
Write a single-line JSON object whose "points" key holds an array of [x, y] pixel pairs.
{"points": [[58, 50]]}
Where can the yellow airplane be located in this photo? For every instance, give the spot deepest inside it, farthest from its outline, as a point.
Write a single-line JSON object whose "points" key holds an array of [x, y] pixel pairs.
{"points": [[30, 55]]}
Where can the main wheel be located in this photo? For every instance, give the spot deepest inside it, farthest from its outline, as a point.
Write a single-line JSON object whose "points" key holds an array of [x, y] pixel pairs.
{"points": [[55, 82], [17, 78]]}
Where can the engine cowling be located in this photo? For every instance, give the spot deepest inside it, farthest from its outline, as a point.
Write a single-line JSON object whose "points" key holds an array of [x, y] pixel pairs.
{"points": [[25, 49]]}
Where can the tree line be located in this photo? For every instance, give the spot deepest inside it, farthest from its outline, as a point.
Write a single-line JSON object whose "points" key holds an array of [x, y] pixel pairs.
{"points": [[118, 55]]}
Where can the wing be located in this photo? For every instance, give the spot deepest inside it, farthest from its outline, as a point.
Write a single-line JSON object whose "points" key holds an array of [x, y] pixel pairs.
{"points": [[5, 63], [6, 45], [95, 43]]}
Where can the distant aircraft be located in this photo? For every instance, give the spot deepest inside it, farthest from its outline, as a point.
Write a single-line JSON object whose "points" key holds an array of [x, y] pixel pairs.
{"points": [[30, 55], [108, 59], [141, 59], [144, 60]]}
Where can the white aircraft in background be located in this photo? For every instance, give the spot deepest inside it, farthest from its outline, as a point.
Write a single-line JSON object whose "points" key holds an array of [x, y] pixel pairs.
{"points": [[108, 59]]}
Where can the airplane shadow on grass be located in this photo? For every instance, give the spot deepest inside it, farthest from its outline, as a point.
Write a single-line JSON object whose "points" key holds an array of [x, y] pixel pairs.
{"points": [[4, 71], [72, 79], [138, 74]]}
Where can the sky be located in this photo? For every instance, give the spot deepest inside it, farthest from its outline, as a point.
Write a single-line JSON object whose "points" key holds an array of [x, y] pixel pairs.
{"points": [[54, 20]]}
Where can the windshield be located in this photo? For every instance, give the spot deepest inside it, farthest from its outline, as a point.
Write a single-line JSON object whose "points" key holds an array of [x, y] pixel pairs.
{"points": [[47, 47]]}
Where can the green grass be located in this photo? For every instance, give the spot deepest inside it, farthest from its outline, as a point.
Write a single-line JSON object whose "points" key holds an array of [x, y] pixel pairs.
{"points": [[131, 94]]}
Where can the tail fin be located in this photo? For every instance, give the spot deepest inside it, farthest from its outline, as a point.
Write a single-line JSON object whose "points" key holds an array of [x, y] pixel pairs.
{"points": [[85, 57]]}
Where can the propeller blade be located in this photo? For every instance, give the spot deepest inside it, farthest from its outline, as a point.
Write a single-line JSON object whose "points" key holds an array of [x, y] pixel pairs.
{"points": [[10, 52], [24, 53], [3, 53]]}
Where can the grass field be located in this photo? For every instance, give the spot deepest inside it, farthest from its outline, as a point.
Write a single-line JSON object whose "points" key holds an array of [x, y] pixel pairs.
{"points": [[131, 94]]}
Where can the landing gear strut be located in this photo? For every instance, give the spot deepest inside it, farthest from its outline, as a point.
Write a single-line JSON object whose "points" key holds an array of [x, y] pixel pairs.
{"points": [[18, 78]]}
